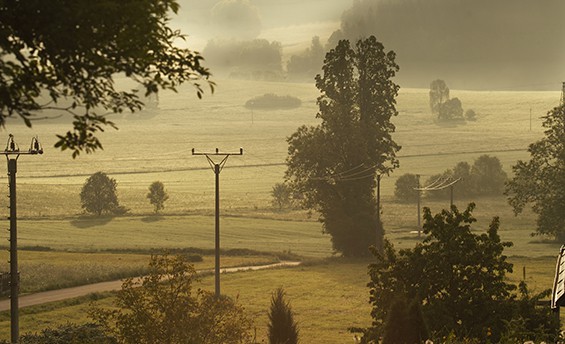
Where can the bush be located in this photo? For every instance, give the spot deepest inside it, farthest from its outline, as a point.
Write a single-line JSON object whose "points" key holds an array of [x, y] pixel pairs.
{"points": [[273, 101], [149, 310], [69, 334], [471, 115]]}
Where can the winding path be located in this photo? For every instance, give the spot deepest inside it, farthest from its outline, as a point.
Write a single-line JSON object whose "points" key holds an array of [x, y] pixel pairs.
{"points": [[69, 293]]}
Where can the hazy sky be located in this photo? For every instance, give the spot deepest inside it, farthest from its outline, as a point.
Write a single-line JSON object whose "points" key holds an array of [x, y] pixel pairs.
{"points": [[291, 22], [473, 43]]}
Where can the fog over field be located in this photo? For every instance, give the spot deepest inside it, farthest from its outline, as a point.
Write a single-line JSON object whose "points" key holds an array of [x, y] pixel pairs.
{"points": [[507, 44], [341, 155]]}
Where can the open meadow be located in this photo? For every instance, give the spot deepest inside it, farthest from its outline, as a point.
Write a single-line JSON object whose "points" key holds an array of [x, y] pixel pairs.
{"points": [[64, 247]]}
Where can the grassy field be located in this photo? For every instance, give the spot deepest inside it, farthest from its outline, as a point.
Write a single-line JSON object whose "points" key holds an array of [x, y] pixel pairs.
{"points": [[150, 146]]}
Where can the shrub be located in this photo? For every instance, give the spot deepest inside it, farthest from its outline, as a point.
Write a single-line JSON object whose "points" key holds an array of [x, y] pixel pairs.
{"points": [[471, 115], [273, 101], [69, 334], [282, 327], [161, 307]]}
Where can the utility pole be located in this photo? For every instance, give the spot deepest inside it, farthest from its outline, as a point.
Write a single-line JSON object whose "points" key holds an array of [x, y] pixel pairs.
{"points": [[379, 242], [562, 102], [11, 150], [217, 168], [419, 201], [438, 184]]}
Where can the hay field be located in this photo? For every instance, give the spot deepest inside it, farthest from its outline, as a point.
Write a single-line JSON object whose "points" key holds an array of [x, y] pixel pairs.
{"points": [[157, 145]]}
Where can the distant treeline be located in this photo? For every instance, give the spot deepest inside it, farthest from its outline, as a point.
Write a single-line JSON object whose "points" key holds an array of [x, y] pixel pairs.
{"points": [[486, 44]]}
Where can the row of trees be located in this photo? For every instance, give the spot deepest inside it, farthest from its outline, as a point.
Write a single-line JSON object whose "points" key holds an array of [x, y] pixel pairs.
{"points": [[484, 178], [99, 195]]}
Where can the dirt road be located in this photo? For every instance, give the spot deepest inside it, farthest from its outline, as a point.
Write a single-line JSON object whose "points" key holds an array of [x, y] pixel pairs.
{"points": [[69, 293]]}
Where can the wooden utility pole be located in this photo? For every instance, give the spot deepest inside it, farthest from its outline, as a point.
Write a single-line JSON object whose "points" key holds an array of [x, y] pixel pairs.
{"points": [[10, 151]]}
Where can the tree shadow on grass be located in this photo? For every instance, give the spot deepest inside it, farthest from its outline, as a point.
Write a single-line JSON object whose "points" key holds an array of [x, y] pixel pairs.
{"points": [[152, 218], [91, 221]]}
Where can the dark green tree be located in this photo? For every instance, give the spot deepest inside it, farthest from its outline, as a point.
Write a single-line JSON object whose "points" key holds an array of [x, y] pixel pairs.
{"points": [[98, 194], [162, 307], [405, 186], [63, 57], [457, 276], [157, 196], [282, 327], [334, 165], [405, 323], [540, 181]]}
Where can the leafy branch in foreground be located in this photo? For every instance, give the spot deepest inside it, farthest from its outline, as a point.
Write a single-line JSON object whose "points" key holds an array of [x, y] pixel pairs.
{"points": [[67, 56]]}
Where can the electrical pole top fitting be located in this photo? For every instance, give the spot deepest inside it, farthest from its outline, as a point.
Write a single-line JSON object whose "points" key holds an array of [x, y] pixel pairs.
{"points": [[12, 147]]}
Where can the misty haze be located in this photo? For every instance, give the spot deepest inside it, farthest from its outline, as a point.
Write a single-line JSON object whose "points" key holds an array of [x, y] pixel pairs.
{"points": [[261, 171]]}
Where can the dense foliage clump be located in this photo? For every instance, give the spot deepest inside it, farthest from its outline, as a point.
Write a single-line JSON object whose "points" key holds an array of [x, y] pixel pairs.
{"points": [[273, 101], [541, 180], [458, 278], [162, 307], [63, 56], [98, 195], [282, 328], [485, 177]]}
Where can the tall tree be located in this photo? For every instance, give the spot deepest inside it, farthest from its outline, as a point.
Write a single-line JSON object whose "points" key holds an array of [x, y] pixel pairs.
{"points": [[541, 180], [98, 194], [63, 56], [439, 94], [334, 165]]}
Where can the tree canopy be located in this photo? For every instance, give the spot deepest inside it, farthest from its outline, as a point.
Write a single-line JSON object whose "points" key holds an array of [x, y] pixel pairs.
{"points": [[458, 277], [334, 165], [540, 181], [64, 56], [98, 194], [157, 195], [439, 94]]}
